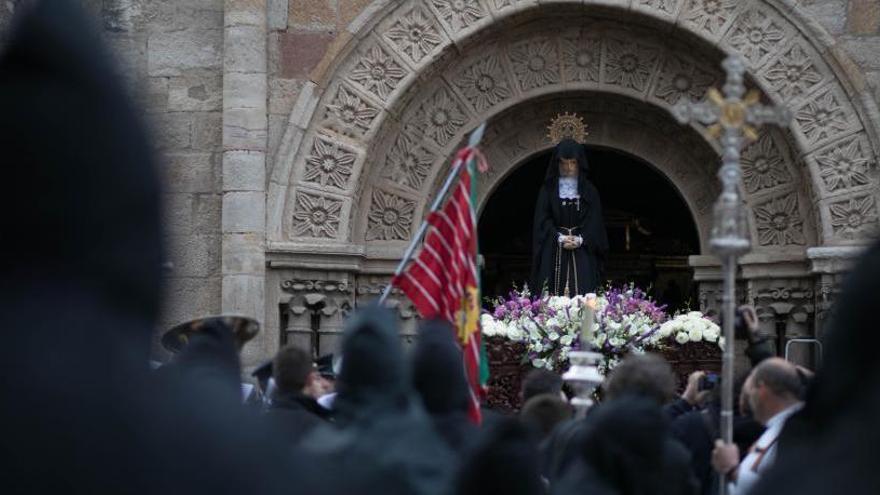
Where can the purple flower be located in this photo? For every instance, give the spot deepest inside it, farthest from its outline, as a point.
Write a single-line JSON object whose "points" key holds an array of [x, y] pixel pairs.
{"points": [[500, 312]]}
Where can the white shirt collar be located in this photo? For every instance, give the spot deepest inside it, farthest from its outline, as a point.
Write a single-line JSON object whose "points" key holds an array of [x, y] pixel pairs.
{"points": [[782, 416], [568, 188]]}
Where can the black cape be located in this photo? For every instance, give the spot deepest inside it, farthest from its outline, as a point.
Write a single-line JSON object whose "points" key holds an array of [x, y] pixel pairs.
{"points": [[383, 441], [439, 379], [584, 264]]}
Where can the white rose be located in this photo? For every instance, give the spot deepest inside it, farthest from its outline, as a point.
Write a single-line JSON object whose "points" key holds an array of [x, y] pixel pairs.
{"points": [[566, 340], [695, 334], [682, 337], [539, 363], [681, 317], [489, 329], [599, 339], [666, 329], [616, 342], [710, 336], [538, 347], [553, 336], [695, 314], [515, 334]]}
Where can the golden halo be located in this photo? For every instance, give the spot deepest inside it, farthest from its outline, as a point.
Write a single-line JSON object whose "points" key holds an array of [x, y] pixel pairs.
{"points": [[567, 126]]}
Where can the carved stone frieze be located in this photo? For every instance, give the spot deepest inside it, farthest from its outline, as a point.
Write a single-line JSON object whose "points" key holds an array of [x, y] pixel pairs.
{"points": [[390, 217], [330, 164], [824, 117], [535, 63], [711, 17], [779, 221], [848, 163], [629, 64], [316, 215], [855, 217], [484, 83], [415, 34], [756, 34], [378, 72], [763, 164]]}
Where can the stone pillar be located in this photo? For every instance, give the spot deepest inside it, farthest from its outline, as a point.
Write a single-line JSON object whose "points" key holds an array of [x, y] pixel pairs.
{"points": [[244, 166]]}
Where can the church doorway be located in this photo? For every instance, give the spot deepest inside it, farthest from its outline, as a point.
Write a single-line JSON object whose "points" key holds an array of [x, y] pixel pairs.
{"points": [[651, 231]]}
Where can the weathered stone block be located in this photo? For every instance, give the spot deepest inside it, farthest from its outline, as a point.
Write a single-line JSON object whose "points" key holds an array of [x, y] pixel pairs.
{"points": [[300, 52], [244, 171], [170, 53], [277, 14], [312, 14], [194, 255], [244, 211], [277, 126], [188, 172], [177, 213], [245, 49], [283, 94], [244, 90], [244, 129], [188, 298], [864, 17], [207, 131], [244, 294], [243, 254], [245, 12], [349, 10], [206, 213], [196, 90], [865, 50], [172, 130]]}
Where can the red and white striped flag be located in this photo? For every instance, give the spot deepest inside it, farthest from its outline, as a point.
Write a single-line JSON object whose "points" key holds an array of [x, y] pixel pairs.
{"points": [[443, 282]]}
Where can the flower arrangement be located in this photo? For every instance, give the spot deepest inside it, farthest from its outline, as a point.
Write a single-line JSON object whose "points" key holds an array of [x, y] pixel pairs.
{"points": [[691, 327], [626, 320]]}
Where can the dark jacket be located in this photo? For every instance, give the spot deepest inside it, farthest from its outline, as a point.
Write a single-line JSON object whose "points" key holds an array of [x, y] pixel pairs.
{"points": [[629, 450], [293, 416], [439, 379]]}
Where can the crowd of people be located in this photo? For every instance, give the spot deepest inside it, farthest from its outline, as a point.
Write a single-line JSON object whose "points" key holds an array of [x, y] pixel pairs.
{"points": [[85, 413]]}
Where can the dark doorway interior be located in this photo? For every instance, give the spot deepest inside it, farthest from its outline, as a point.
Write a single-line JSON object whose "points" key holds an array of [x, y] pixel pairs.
{"points": [[649, 226]]}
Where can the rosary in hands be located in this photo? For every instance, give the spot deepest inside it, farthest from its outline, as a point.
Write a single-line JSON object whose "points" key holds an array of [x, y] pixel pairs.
{"points": [[571, 241]]}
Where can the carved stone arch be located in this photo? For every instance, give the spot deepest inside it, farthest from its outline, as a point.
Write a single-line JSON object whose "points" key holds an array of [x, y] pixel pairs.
{"points": [[325, 185]]}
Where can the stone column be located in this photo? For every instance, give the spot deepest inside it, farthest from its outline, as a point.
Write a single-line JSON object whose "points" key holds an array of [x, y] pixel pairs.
{"points": [[244, 165]]}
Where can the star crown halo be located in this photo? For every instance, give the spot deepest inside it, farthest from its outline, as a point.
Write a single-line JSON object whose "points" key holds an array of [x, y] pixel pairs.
{"points": [[567, 126]]}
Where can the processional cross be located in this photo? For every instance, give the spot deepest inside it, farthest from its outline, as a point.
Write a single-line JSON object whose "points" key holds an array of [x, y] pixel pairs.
{"points": [[732, 119]]}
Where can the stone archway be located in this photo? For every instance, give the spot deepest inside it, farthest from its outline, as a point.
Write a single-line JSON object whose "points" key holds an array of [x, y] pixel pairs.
{"points": [[368, 142]]}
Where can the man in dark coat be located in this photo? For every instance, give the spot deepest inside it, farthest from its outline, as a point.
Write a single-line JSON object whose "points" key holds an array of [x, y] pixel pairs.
{"points": [[383, 441], [294, 410], [439, 379], [568, 237]]}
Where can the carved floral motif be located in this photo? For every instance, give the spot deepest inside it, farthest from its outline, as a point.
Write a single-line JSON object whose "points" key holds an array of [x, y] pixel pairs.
{"points": [[709, 15], [794, 74], [779, 222], [459, 14], [629, 64], [408, 163], [822, 117], [329, 164], [439, 117], [680, 78], [581, 58], [756, 36], [854, 217], [390, 217], [845, 164], [484, 83], [665, 6], [535, 63], [351, 111], [414, 34], [316, 216], [378, 72], [763, 166]]}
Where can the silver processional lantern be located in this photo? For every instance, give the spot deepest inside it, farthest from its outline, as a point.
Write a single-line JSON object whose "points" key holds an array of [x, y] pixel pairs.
{"points": [[731, 118]]}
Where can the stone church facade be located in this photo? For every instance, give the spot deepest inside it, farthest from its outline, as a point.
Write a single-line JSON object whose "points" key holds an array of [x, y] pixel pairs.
{"points": [[303, 140]]}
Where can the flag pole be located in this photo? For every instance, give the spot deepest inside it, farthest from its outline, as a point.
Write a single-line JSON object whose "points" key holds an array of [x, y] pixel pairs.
{"points": [[473, 141]]}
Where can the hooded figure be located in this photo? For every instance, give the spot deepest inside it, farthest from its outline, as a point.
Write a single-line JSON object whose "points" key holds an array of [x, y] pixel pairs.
{"points": [[568, 237], [438, 377], [79, 293], [503, 461], [830, 445], [626, 448], [383, 441]]}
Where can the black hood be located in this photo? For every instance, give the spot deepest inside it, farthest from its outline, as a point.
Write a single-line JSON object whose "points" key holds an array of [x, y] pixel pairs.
{"points": [[373, 371], [438, 369], [567, 149], [84, 192]]}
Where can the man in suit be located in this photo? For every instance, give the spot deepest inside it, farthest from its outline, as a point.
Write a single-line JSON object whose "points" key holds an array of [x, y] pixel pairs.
{"points": [[773, 391]]}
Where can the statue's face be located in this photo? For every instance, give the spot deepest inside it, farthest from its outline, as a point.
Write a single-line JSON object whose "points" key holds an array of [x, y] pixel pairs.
{"points": [[568, 167]]}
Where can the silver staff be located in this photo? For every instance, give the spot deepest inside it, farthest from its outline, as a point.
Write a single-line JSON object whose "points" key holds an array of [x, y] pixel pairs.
{"points": [[732, 119]]}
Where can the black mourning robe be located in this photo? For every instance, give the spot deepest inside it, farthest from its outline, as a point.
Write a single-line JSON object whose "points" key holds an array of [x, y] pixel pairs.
{"points": [[553, 267]]}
